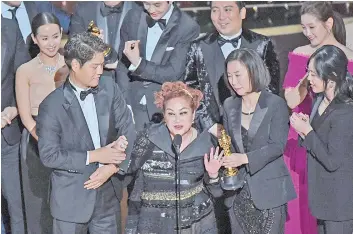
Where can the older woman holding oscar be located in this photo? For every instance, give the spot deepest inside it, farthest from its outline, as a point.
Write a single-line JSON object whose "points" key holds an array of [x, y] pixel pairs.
{"points": [[257, 123], [155, 201]]}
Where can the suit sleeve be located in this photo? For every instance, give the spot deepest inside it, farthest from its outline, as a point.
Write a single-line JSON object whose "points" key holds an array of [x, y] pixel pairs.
{"points": [[279, 127], [51, 152], [77, 24], [272, 64], [174, 68], [339, 145], [123, 120], [21, 53]]}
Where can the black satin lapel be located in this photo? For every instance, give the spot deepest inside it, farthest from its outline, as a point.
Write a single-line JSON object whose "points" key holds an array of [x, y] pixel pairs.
{"points": [[166, 36], [31, 9], [259, 115], [246, 44], [316, 107], [142, 34], [331, 107], [74, 111], [160, 136], [103, 114], [214, 61], [234, 125]]}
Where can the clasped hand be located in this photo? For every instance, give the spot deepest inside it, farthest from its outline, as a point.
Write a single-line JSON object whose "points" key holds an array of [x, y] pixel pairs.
{"points": [[301, 124]]}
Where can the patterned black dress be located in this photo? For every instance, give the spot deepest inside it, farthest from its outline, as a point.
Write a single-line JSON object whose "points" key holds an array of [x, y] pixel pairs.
{"points": [[153, 200]]}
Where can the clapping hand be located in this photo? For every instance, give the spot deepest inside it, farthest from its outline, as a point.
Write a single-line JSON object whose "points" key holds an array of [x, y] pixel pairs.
{"points": [[214, 162], [301, 124]]}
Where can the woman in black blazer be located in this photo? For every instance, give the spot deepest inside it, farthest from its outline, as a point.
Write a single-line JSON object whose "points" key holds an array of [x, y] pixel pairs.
{"points": [[258, 123], [328, 137]]}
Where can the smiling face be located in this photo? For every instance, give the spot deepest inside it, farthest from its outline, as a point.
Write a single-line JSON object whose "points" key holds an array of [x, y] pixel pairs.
{"points": [[88, 74], [157, 9], [48, 39], [238, 77], [178, 115], [227, 17], [315, 30], [316, 83]]}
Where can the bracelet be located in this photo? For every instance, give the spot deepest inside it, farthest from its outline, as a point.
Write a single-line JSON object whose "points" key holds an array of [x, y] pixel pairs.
{"points": [[215, 180]]}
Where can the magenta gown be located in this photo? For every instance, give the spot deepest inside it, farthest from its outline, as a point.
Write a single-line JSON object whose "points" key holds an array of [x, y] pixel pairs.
{"points": [[299, 219]]}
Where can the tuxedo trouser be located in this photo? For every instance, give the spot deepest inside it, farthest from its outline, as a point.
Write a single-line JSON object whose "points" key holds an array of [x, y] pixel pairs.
{"points": [[11, 185], [335, 227], [105, 218], [35, 185], [279, 219]]}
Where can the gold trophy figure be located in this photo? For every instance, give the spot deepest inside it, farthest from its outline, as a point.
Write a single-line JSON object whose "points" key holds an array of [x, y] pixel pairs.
{"points": [[230, 179], [110, 55]]}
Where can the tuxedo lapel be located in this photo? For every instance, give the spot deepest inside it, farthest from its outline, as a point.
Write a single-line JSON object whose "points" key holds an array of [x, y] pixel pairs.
{"points": [[103, 114], [215, 62], [31, 9], [160, 137], [74, 111], [259, 115], [234, 125], [166, 36], [142, 34]]}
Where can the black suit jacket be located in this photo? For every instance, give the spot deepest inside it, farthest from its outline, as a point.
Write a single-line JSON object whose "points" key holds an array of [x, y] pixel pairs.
{"points": [[267, 175], [330, 162], [206, 65], [13, 54], [64, 140], [168, 59]]}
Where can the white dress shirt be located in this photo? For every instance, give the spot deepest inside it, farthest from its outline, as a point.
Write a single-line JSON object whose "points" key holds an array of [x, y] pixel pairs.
{"points": [[22, 18], [88, 107], [227, 48]]}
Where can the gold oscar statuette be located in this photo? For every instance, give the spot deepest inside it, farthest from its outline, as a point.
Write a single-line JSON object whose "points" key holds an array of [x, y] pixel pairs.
{"points": [[108, 56], [225, 142]]}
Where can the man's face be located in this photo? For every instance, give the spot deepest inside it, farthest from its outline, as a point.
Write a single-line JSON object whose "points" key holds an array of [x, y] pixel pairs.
{"points": [[88, 74], [227, 17], [157, 9]]}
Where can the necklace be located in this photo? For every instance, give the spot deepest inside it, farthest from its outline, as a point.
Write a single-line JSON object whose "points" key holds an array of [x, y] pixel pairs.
{"points": [[48, 68], [249, 113]]}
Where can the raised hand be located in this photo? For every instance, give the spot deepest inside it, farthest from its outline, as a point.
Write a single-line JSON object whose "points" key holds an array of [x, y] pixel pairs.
{"points": [[214, 162]]}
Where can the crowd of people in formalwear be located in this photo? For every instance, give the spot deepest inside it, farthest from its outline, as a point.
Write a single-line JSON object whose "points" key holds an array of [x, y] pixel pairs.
{"points": [[77, 129]]}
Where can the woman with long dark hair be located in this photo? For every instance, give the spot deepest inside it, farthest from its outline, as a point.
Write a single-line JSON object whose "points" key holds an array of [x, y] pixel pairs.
{"points": [[328, 138], [322, 26], [34, 81]]}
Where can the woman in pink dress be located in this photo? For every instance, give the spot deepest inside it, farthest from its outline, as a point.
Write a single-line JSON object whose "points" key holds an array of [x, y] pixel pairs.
{"points": [[322, 26]]}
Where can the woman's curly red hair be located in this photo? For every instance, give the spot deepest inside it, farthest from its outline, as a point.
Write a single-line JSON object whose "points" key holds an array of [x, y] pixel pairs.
{"points": [[177, 89]]}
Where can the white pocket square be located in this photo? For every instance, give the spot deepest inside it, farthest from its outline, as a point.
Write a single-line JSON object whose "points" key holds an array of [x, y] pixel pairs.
{"points": [[169, 49]]}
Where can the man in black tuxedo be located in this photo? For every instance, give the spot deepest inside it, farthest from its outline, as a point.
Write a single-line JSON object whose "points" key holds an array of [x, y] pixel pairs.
{"points": [[77, 126], [206, 58], [13, 54], [108, 17], [154, 44]]}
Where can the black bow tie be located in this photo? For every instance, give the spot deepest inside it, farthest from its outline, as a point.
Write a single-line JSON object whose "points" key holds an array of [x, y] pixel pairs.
{"points": [[221, 41], [83, 94], [151, 22], [106, 10]]}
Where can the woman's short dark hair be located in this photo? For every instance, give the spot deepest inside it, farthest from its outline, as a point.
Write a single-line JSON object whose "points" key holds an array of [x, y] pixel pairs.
{"points": [[82, 47], [258, 73], [40, 20], [323, 11], [331, 63]]}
